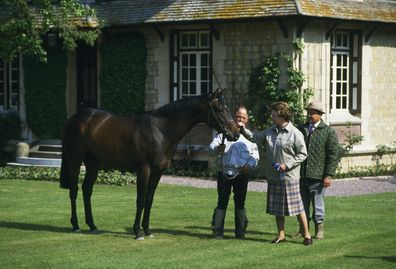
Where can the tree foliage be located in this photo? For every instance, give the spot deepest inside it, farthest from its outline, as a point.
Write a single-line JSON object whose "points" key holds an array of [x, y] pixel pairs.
{"points": [[24, 24]]}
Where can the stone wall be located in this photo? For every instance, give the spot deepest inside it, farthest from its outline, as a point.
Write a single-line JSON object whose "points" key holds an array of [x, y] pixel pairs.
{"points": [[246, 45], [382, 93]]}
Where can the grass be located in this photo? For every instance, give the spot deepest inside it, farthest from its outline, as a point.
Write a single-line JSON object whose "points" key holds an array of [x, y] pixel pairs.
{"points": [[35, 231]]}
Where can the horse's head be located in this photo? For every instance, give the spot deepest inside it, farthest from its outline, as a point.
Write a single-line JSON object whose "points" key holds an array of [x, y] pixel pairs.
{"points": [[219, 116]]}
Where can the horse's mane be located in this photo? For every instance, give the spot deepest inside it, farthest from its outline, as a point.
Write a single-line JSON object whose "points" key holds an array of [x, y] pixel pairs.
{"points": [[178, 106]]}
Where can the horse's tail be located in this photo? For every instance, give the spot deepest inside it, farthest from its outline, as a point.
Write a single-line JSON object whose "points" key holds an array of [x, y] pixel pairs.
{"points": [[64, 173]]}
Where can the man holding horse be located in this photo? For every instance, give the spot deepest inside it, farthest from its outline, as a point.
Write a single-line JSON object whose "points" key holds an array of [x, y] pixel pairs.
{"points": [[236, 160]]}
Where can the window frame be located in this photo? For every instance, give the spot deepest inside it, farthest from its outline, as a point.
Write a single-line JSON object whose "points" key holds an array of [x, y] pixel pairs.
{"points": [[352, 48], [180, 47], [10, 85]]}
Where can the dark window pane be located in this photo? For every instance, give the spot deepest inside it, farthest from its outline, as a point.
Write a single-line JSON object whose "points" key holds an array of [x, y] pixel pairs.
{"points": [[344, 88], [338, 60], [184, 74], [15, 100], [204, 59], [193, 60], [338, 74], [345, 74], [344, 102], [338, 88], [204, 39], [338, 102], [14, 74], [193, 40], [184, 60], [185, 88], [193, 74], [193, 88], [345, 40], [345, 59], [338, 40], [184, 40], [204, 74], [204, 87]]}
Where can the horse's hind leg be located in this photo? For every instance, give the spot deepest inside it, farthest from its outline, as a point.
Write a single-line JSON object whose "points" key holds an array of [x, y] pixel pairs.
{"points": [[92, 167], [74, 171], [152, 186], [142, 181]]}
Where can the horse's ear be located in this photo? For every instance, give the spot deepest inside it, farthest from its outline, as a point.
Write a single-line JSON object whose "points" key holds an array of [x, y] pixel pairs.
{"points": [[217, 93]]}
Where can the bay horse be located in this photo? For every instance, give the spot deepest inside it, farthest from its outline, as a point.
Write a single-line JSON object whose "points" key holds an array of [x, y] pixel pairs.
{"points": [[142, 143]]}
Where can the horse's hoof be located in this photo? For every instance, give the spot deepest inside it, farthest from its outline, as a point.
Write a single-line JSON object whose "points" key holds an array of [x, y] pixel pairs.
{"points": [[140, 238], [151, 236], [95, 231], [76, 231]]}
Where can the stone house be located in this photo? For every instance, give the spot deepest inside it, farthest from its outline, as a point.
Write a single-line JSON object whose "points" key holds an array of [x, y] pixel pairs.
{"points": [[349, 58]]}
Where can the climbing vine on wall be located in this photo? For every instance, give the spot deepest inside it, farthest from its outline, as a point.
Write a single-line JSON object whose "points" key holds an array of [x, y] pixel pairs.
{"points": [[123, 73], [45, 87], [264, 88]]}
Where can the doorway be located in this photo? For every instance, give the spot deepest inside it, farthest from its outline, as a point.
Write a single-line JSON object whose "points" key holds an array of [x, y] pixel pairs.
{"points": [[86, 76]]}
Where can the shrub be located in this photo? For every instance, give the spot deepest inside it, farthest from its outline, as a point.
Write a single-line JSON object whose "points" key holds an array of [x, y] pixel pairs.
{"points": [[112, 177], [10, 126]]}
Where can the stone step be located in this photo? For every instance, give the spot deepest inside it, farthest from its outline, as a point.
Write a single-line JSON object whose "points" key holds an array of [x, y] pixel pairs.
{"points": [[12, 164], [50, 147], [45, 154], [39, 161]]}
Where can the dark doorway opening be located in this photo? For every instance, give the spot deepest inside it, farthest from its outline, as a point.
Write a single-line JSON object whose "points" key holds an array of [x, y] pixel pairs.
{"points": [[86, 76]]}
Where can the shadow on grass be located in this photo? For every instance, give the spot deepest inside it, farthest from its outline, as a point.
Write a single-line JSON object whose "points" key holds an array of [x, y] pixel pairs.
{"points": [[48, 228], [385, 258], [34, 227], [207, 233]]}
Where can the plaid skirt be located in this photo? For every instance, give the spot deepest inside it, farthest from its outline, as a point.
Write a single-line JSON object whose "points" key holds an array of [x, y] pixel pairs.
{"points": [[284, 199]]}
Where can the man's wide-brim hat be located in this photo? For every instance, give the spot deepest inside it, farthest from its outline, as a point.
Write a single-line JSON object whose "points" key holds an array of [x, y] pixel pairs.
{"points": [[316, 105]]}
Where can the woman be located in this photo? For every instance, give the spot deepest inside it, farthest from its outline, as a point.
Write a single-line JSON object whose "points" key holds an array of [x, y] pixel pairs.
{"points": [[285, 151]]}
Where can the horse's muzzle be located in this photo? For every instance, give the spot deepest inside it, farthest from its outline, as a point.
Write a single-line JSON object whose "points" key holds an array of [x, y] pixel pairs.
{"points": [[232, 136]]}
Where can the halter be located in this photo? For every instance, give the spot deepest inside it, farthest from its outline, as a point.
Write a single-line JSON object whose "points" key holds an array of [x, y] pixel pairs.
{"points": [[223, 130]]}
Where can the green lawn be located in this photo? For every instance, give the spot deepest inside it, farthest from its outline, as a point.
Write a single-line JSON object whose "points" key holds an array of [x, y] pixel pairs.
{"points": [[35, 231]]}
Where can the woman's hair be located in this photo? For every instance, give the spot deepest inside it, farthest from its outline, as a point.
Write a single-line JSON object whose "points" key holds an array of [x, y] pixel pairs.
{"points": [[283, 110]]}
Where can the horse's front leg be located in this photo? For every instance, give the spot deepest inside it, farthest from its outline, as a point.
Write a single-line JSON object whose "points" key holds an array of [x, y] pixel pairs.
{"points": [[152, 186], [142, 182]]}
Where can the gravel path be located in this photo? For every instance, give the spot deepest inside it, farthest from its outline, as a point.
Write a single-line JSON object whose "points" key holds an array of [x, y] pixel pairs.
{"points": [[340, 187]]}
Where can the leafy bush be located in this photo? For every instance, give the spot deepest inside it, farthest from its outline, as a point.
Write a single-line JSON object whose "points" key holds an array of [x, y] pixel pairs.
{"points": [[52, 174], [368, 171]]}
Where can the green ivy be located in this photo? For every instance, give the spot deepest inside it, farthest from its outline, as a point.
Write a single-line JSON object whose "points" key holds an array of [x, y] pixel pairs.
{"points": [[123, 73], [45, 90], [264, 89]]}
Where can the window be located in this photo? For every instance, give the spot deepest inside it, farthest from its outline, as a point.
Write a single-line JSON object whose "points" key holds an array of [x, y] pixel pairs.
{"points": [[345, 71], [191, 63], [9, 85]]}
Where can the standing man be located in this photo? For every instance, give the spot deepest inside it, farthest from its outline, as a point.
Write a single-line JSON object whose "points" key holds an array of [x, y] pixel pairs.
{"points": [[235, 162], [320, 166]]}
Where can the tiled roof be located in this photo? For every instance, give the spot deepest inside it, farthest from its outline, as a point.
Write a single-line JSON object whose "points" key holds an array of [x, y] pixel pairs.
{"points": [[364, 10], [157, 11], [171, 11]]}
